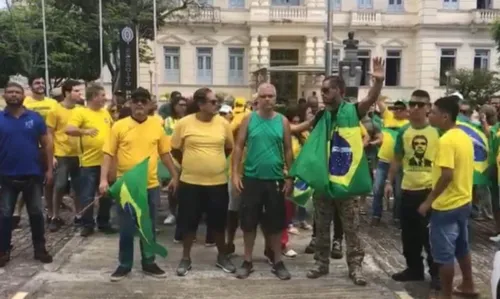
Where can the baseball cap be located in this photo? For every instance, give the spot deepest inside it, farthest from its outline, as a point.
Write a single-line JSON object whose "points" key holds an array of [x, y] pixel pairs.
{"points": [[239, 105], [225, 109]]}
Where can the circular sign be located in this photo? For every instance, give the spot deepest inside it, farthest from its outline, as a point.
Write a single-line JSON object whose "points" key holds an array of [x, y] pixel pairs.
{"points": [[127, 34]]}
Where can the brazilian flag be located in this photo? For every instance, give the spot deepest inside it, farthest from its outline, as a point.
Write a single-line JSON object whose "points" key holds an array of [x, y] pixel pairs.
{"points": [[481, 149], [332, 161], [301, 193], [131, 194]]}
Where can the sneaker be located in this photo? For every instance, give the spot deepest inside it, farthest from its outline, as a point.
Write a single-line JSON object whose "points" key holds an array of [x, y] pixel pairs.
{"points": [[55, 224], [209, 244], [317, 271], [280, 271], [311, 248], [408, 275], [184, 267], [245, 270], [289, 253], [108, 230], [153, 270], [43, 256], [225, 264], [305, 226], [170, 220], [495, 238], [120, 273], [4, 258], [336, 253], [357, 277], [177, 241], [15, 222], [293, 230], [86, 231]]}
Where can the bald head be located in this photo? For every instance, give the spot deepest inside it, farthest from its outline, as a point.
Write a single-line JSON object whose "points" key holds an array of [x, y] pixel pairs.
{"points": [[266, 95]]}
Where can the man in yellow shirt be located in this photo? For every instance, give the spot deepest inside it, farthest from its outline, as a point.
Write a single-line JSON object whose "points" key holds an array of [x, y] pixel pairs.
{"points": [[92, 124], [415, 150], [42, 105], [66, 149], [131, 141], [450, 200]]}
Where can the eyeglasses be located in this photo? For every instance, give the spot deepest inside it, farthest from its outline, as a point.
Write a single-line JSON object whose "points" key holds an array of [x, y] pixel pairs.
{"points": [[140, 100], [416, 104]]}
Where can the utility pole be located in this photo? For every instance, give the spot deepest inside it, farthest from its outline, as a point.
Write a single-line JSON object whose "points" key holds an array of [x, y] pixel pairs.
{"points": [[329, 41]]}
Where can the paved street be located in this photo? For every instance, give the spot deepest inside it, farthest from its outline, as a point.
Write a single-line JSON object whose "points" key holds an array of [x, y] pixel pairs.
{"points": [[81, 270]]}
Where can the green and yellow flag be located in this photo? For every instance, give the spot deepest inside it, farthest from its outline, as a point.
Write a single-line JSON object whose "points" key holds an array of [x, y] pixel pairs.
{"points": [[481, 149], [332, 161], [131, 193]]}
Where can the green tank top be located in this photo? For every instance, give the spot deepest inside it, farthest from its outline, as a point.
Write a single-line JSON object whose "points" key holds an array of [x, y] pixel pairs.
{"points": [[264, 157]]}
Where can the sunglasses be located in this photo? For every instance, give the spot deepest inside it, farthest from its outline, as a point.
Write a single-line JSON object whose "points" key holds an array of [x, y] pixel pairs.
{"points": [[325, 90], [142, 101], [416, 104], [397, 108]]}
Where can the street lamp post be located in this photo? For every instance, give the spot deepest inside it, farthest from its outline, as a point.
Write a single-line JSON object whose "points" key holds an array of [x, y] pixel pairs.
{"points": [[350, 68]]}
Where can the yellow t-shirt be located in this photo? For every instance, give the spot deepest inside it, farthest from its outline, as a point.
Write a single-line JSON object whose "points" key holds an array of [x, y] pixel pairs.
{"points": [[64, 145], [132, 142], [235, 125], [455, 151], [43, 107], [364, 132], [203, 149], [91, 147], [390, 121], [386, 151], [417, 147], [159, 118]]}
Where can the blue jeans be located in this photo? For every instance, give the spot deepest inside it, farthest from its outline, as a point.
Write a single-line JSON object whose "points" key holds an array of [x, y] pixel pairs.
{"points": [[378, 190], [128, 229], [88, 185], [301, 214], [31, 189], [449, 234]]}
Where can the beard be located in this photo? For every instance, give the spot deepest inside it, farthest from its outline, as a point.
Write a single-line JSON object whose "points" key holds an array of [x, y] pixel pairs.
{"points": [[15, 104]]}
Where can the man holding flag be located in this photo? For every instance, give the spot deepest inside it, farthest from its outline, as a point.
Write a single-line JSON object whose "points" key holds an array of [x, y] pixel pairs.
{"points": [[340, 172], [136, 143]]}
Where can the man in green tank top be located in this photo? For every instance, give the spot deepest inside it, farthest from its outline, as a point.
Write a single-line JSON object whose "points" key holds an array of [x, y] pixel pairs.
{"points": [[263, 185], [332, 92]]}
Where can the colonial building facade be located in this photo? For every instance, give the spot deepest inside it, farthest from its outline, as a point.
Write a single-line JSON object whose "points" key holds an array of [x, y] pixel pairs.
{"points": [[224, 42]]}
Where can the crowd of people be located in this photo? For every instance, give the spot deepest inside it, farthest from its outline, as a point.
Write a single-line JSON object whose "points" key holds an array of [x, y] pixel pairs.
{"points": [[230, 165]]}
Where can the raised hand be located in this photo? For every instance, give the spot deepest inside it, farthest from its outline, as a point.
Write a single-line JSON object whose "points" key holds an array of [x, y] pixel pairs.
{"points": [[378, 69]]}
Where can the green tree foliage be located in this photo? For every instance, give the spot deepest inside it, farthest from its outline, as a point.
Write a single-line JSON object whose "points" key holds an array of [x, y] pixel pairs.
{"points": [[22, 52], [477, 86]]}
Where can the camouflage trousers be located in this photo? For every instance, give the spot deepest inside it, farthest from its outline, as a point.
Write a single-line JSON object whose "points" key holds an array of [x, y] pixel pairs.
{"points": [[348, 211]]}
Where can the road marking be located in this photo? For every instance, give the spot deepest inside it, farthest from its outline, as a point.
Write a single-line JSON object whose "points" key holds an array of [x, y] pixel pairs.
{"points": [[404, 295], [20, 295]]}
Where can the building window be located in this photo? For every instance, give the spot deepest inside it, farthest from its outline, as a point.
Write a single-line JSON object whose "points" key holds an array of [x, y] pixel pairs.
{"points": [[484, 4], [482, 59], [172, 68], [450, 4], [204, 66], [285, 2], [446, 63], [364, 57], [336, 4], [395, 5], [236, 75], [365, 4], [335, 60], [393, 68], [236, 3]]}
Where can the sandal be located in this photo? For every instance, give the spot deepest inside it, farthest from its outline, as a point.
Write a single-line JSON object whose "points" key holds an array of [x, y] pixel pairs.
{"points": [[458, 292]]}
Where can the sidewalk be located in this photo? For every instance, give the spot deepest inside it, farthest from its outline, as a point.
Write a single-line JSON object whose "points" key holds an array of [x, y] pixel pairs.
{"points": [[81, 271]]}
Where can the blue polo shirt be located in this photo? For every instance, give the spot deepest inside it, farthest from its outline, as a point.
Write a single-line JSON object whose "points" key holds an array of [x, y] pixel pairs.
{"points": [[19, 144]]}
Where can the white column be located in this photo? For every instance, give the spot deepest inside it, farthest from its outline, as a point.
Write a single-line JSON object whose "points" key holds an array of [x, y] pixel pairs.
{"points": [[254, 53], [320, 51], [309, 51], [264, 52]]}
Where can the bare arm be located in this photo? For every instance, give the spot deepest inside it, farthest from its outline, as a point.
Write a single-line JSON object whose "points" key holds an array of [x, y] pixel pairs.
{"points": [[377, 140], [74, 131], [177, 155], [239, 145], [166, 159], [105, 166], [378, 76], [47, 144], [395, 166], [287, 143], [304, 126]]}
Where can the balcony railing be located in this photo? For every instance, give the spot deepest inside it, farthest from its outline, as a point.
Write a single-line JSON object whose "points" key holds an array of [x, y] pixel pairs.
{"points": [[197, 14], [366, 18], [288, 13], [485, 16]]}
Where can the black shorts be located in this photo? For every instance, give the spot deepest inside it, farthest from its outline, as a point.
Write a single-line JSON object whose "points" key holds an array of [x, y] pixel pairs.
{"points": [[195, 200], [263, 202]]}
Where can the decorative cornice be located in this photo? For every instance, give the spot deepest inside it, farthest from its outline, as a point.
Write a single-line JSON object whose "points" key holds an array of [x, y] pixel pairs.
{"points": [[204, 41], [236, 41], [449, 44], [394, 43], [171, 39]]}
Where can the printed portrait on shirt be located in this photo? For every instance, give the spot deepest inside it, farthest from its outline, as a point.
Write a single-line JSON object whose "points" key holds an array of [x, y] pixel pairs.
{"points": [[419, 146]]}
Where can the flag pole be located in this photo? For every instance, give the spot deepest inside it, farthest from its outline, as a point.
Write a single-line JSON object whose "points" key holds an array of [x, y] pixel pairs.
{"points": [[155, 45], [46, 52], [101, 43]]}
